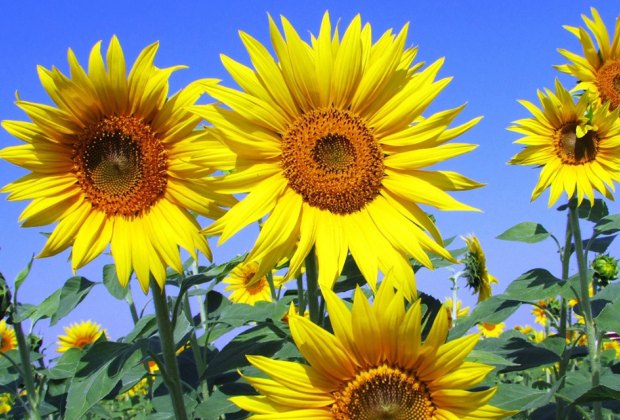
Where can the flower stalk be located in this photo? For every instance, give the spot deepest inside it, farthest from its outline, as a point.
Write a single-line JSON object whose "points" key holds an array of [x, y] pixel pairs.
{"points": [[172, 378], [312, 283], [26, 370], [585, 302]]}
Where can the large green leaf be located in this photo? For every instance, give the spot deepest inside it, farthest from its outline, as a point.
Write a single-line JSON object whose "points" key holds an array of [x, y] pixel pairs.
{"points": [[71, 294], [214, 407], [519, 397], [535, 285], [586, 210], [528, 232], [522, 354], [104, 365], [22, 276], [493, 310]]}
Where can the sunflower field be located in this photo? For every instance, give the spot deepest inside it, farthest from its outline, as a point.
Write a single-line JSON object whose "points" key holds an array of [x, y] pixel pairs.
{"points": [[331, 145]]}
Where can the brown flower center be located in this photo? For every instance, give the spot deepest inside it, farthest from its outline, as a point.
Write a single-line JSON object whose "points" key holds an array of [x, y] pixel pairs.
{"points": [[608, 83], [383, 393], [331, 158], [248, 273], [573, 150], [120, 165]]}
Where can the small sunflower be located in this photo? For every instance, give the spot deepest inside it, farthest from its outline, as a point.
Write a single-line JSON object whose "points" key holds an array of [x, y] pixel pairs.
{"points": [[598, 71], [6, 401], [246, 288], [113, 163], [526, 329], [612, 345], [8, 340], [373, 366], [491, 330], [540, 313], [476, 273], [330, 140], [448, 304], [79, 335], [577, 146]]}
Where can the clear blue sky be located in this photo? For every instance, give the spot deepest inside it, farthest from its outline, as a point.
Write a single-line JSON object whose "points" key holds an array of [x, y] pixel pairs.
{"points": [[497, 52]]}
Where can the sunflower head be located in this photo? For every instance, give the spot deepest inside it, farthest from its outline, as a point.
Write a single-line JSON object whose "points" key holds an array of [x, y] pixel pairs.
{"points": [[598, 70], [577, 145], [8, 340], [605, 269], [489, 330], [114, 161], [246, 287], [374, 365], [476, 273], [331, 145], [79, 335]]}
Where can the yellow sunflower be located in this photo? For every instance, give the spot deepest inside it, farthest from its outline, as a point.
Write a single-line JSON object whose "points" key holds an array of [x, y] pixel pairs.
{"points": [[540, 313], [113, 163], [79, 335], [598, 70], [612, 345], [476, 273], [460, 312], [246, 288], [373, 366], [8, 340], [6, 401], [491, 330], [330, 141], [578, 146]]}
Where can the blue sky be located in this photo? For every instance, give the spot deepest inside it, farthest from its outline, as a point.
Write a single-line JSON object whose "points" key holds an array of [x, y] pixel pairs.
{"points": [[496, 51]]}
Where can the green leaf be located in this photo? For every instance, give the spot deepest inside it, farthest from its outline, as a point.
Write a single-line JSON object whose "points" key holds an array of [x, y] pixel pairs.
{"points": [[104, 365], [22, 276], [215, 406], [518, 397], [493, 310], [110, 281], [145, 327], [535, 285], [608, 389], [71, 294], [592, 213], [488, 358], [528, 232], [23, 311], [609, 318], [66, 365], [608, 225]]}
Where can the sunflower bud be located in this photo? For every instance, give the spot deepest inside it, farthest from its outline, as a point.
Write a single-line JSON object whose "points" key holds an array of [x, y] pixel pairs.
{"points": [[5, 297], [605, 269]]}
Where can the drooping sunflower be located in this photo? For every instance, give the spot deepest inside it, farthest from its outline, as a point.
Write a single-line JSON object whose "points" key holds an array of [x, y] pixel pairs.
{"points": [[246, 288], [330, 141], [476, 273], [8, 340], [598, 71], [373, 366], [577, 145], [78, 335], [113, 163]]}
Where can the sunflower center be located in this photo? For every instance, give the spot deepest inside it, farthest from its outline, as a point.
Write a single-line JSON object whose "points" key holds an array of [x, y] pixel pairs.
{"points": [[608, 83], [331, 158], [82, 342], [383, 393], [573, 150], [120, 165]]}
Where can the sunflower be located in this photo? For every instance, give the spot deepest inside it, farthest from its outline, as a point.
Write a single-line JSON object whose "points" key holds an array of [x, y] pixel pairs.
{"points": [[112, 163], [540, 313], [460, 312], [577, 145], [246, 288], [373, 366], [6, 401], [476, 273], [330, 140], [598, 70], [79, 335], [491, 330], [8, 340]]}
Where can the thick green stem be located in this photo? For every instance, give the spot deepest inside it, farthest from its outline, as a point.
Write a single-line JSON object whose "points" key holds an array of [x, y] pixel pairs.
{"points": [[312, 283], [585, 303], [172, 376], [562, 327], [301, 301], [27, 373]]}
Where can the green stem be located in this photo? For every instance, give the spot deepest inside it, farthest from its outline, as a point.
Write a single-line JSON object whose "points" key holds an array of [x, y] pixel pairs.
{"points": [[455, 297], [27, 374], [563, 326], [132, 308], [585, 303], [172, 377], [301, 302], [312, 283], [272, 286]]}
